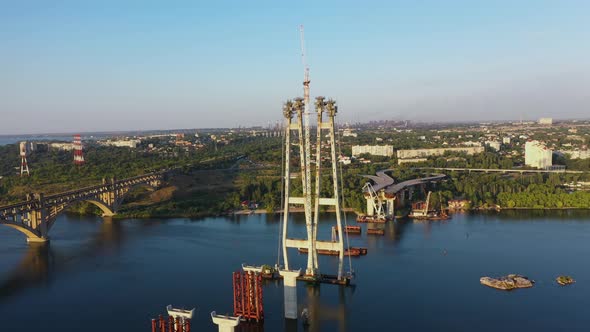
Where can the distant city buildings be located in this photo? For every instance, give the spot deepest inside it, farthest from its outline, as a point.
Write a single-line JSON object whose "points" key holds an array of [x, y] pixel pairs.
{"points": [[546, 121], [506, 140], [349, 133], [536, 154], [375, 150], [61, 146], [577, 154], [494, 145], [132, 143], [415, 155], [345, 160], [471, 143]]}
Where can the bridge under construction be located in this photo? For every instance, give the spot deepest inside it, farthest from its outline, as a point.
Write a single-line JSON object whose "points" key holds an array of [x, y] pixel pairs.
{"points": [[384, 194]]}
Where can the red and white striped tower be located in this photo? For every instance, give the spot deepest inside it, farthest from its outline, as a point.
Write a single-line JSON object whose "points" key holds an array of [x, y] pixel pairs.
{"points": [[78, 154], [24, 167]]}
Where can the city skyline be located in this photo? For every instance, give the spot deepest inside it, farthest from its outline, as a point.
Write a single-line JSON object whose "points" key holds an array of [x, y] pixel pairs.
{"points": [[79, 67]]}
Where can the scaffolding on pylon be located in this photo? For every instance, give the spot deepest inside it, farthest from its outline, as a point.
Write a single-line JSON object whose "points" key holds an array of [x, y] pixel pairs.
{"points": [[248, 296]]}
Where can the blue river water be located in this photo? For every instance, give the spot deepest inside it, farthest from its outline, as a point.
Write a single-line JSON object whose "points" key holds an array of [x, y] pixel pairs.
{"points": [[105, 275]]}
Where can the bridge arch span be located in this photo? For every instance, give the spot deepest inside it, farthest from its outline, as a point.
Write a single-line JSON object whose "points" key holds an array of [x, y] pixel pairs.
{"points": [[106, 211], [32, 236], [35, 216]]}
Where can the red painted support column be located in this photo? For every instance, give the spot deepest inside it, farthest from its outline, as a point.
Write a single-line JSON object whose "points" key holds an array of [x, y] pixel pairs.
{"points": [[154, 324], [162, 324], [170, 324]]}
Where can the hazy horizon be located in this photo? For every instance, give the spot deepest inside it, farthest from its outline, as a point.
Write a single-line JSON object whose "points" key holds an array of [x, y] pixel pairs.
{"points": [[102, 67]]}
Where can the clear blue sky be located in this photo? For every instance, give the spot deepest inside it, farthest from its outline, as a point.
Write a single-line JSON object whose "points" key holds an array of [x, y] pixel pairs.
{"points": [[69, 66]]}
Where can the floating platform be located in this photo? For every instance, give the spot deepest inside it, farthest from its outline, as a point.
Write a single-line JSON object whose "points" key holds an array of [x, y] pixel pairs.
{"points": [[352, 251], [375, 231], [350, 230], [419, 215], [371, 219], [325, 279], [265, 271]]}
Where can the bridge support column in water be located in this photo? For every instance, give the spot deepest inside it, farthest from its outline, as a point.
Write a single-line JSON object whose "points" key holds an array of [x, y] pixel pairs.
{"points": [[290, 292], [225, 323]]}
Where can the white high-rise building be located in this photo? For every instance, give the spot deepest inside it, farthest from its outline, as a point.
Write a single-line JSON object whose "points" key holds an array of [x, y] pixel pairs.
{"points": [[536, 154]]}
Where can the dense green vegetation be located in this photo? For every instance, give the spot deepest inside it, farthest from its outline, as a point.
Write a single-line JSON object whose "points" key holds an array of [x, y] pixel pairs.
{"points": [[53, 171], [249, 169]]}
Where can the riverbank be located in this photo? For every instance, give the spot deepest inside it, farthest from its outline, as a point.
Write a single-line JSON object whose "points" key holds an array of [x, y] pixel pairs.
{"points": [[291, 210]]}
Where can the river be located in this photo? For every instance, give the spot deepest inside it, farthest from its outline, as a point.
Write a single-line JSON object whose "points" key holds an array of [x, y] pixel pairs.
{"points": [[104, 275]]}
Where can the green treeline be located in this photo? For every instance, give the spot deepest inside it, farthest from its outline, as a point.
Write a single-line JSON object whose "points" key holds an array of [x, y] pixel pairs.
{"points": [[516, 190]]}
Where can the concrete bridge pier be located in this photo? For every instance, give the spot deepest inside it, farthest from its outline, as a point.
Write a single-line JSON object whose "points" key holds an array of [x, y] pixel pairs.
{"points": [[370, 209], [290, 292], [225, 323], [390, 207]]}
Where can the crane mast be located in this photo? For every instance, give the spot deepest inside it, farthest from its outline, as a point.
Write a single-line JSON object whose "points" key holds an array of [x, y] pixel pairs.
{"points": [[311, 233]]}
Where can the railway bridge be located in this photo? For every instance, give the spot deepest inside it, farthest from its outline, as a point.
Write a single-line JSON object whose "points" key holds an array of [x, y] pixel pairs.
{"points": [[36, 215]]}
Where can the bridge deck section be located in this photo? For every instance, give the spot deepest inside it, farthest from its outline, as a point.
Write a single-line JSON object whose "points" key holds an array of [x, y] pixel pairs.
{"points": [[386, 183]]}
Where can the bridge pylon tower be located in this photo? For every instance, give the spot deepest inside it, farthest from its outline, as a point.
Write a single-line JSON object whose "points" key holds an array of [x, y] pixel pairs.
{"points": [[295, 109]]}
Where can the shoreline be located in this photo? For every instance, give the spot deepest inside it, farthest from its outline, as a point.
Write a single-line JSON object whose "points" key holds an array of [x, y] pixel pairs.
{"points": [[291, 210], [300, 210]]}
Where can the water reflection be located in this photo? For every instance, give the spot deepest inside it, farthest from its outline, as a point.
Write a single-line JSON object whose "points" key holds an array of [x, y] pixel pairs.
{"points": [[320, 311], [539, 215], [40, 262], [35, 268]]}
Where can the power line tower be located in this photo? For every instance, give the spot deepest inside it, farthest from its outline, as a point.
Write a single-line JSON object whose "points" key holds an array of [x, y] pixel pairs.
{"points": [[24, 166], [78, 152], [299, 109]]}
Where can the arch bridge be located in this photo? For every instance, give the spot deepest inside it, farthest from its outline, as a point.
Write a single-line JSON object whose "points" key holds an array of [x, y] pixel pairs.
{"points": [[35, 216]]}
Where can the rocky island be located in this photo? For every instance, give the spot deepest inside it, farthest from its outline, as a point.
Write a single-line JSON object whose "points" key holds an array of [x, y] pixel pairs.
{"points": [[509, 282], [565, 280]]}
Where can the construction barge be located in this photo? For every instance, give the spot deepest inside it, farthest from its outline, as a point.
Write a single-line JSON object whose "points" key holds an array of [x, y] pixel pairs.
{"points": [[352, 251], [375, 231], [371, 219], [422, 211], [349, 229], [326, 279]]}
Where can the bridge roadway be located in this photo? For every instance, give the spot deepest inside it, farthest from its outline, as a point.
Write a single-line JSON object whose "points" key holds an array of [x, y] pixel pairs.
{"points": [[498, 170], [386, 183], [35, 216]]}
